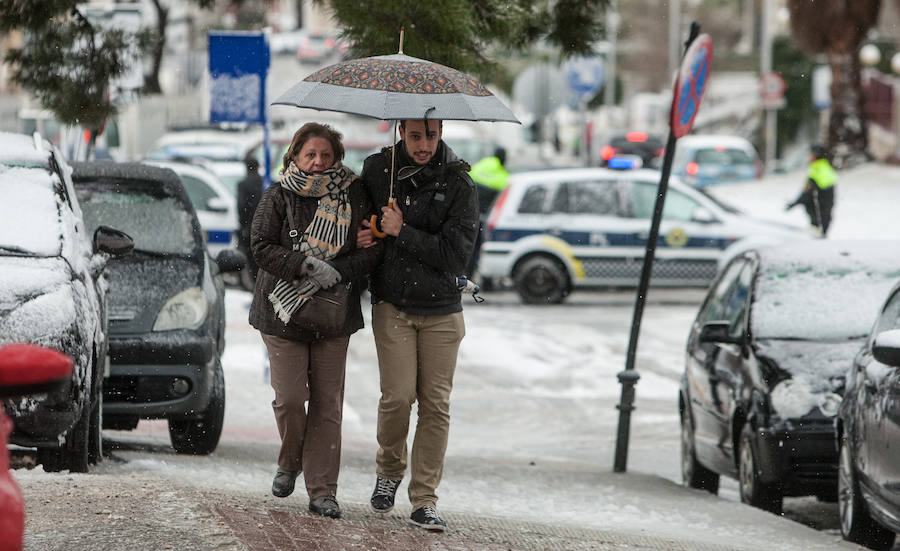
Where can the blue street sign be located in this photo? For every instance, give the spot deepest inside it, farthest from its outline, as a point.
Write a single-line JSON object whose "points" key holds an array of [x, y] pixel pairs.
{"points": [[585, 76], [238, 65]]}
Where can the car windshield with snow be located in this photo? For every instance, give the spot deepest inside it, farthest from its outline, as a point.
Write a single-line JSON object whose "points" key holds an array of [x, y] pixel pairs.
{"points": [[766, 362], [53, 294], [555, 230], [167, 316]]}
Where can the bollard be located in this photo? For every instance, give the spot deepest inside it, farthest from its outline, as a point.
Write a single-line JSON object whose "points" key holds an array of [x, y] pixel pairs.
{"points": [[627, 378]]}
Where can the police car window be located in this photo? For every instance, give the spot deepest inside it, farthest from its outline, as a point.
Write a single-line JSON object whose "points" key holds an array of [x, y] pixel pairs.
{"points": [[736, 305], [597, 198], [678, 206], [198, 191], [533, 200]]}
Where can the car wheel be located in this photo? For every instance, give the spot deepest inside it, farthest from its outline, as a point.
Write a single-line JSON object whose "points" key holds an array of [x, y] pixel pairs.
{"points": [[755, 492], [200, 435], [693, 473], [541, 280], [856, 523]]}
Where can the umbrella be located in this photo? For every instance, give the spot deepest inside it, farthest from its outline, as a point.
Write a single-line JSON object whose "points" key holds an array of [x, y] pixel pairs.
{"points": [[397, 87]]}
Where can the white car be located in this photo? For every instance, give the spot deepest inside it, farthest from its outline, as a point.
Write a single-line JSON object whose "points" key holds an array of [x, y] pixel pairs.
{"points": [[215, 205], [551, 231]]}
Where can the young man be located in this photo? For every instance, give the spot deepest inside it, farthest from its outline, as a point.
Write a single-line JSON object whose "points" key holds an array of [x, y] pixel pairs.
{"points": [[416, 307]]}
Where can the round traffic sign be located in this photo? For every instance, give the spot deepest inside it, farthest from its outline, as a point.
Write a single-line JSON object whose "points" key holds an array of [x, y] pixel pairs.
{"points": [[693, 76]]}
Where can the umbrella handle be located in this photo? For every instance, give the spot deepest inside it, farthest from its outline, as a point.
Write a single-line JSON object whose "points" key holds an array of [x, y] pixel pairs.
{"points": [[374, 222]]}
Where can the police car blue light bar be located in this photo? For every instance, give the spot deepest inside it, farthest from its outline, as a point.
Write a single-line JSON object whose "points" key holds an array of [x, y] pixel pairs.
{"points": [[624, 162]]}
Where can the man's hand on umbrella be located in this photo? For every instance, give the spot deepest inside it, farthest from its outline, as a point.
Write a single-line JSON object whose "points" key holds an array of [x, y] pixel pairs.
{"points": [[364, 237], [391, 220]]}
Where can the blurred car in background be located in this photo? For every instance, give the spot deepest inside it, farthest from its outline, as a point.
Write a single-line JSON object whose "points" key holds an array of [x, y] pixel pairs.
{"points": [[649, 148], [708, 160], [53, 294], [213, 144], [216, 207], [551, 231], [765, 366], [166, 305], [868, 433]]}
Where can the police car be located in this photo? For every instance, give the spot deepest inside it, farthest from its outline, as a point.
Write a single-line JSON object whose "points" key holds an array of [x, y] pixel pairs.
{"points": [[552, 231]]}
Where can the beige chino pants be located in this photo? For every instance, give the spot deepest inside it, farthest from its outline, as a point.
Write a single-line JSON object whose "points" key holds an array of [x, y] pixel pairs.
{"points": [[416, 360], [310, 437]]}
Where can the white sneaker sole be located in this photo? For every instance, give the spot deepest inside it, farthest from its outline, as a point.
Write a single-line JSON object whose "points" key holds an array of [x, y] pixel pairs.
{"points": [[429, 527]]}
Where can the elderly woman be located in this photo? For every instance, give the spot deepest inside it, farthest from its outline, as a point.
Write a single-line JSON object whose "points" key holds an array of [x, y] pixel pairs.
{"points": [[324, 202]]}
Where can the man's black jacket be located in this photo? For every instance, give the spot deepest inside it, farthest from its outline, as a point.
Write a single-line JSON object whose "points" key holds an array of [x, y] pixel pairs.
{"points": [[440, 223]]}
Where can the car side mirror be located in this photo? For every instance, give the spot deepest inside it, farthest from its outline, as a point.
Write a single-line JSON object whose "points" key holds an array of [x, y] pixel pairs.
{"points": [[231, 260], [886, 348], [717, 332], [217, 204], [112, 241], [703, 215]]}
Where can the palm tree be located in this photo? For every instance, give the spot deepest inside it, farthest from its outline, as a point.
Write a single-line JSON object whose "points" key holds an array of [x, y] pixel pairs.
{"points": [[837, 29]]}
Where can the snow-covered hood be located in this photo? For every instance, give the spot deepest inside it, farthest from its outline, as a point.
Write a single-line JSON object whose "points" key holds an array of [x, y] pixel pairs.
{"points": [[36, 299], [821, 366]]}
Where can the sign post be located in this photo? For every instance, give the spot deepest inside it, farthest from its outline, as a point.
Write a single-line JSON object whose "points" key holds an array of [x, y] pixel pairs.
{"points": [[693, 76], [238, 67]]}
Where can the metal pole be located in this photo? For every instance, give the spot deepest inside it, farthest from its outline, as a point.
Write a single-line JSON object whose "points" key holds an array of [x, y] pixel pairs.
{"points": [[612, 31], [674, 36], [629, 377], [765, 67]]}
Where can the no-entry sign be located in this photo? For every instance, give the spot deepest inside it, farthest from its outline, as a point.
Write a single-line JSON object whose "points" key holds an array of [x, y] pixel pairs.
{"points": [[693, 76]]}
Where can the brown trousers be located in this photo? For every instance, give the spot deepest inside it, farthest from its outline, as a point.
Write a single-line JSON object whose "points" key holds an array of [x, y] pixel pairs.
{"points": [[416, 360], [310, 437]]}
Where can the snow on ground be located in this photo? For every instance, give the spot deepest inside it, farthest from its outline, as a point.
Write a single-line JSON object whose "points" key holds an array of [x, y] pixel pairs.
{"points": [[533, 410]]}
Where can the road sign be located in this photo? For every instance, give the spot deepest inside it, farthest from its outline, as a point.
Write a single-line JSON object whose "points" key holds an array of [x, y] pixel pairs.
{"points": [[585, 76], [238, 65], [693, 76], [771, 90]]}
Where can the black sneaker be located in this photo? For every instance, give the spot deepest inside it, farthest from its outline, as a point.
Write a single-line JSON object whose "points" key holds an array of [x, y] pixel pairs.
{"points": [[427, 518], [327, 506], [283, 484], [383, 497]]}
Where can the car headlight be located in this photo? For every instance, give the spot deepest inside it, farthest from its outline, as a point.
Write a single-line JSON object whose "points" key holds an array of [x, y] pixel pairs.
{"points": [[186, 310], [792, 399]]}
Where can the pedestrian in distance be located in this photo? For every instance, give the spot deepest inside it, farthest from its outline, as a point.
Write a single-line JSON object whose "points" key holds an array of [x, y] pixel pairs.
{"points": [[301, 237], [417, 315], [490, 177], [249, 190], [817, 196]]}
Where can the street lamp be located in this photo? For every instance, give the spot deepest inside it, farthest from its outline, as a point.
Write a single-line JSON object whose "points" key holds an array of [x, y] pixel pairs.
{"points": [[895, 63], [870, 55]]}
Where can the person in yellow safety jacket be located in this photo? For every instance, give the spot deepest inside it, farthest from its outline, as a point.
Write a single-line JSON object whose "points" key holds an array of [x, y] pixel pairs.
{"points": [[817, 196], [490, 177]]}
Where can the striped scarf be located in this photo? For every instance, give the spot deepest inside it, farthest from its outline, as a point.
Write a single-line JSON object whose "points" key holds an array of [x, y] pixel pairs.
{"points": [[326, 233]]}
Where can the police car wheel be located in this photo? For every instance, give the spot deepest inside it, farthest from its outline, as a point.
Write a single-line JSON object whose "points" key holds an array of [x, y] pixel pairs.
{"points": [[541, 280]]}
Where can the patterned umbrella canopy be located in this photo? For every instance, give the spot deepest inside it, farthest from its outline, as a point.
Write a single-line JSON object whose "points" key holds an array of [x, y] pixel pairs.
{"points": [[397, 87]]}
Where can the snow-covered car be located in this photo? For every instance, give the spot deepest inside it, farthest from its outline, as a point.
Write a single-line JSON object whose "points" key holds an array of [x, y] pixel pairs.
{"points": [[166, 305], [53, 294], [555, 230], [215, 205], [703, 160], [868, 432], [766, 362]]}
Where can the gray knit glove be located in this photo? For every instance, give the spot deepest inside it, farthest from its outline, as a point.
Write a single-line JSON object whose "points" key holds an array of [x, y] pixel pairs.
{"points": [[320, 272]]}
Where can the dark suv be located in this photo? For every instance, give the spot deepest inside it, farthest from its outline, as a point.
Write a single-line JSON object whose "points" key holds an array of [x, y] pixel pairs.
{"points": [[167, 312], [868, 435], [53, 294]]}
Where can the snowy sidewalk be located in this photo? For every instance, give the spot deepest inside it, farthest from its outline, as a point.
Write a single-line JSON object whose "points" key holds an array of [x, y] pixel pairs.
{"points": [[144, 510]]}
